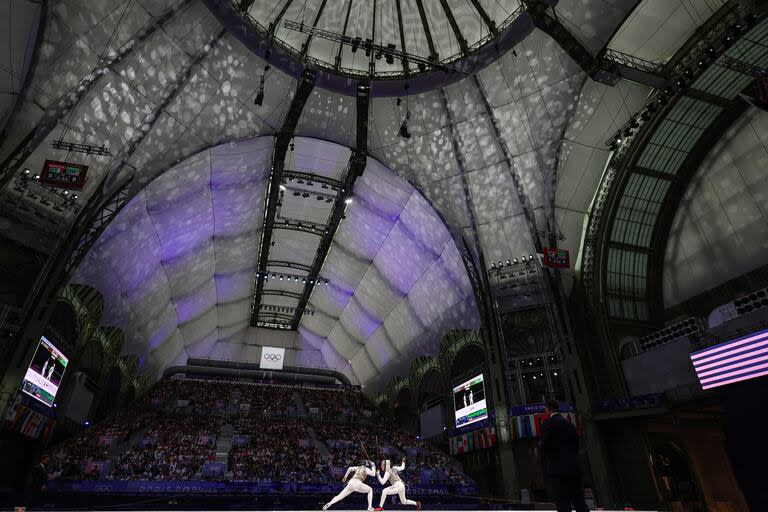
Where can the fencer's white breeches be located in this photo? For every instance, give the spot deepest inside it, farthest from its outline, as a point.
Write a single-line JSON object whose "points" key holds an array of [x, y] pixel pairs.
{"points": [[397, 488], [354, 485]]}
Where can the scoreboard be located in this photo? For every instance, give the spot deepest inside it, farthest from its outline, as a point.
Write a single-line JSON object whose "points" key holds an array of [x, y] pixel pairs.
{"points": [[63, 175]]}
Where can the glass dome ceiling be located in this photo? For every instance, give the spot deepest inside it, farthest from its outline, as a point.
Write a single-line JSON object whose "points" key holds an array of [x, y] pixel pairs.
{"points": [[436, 30]]}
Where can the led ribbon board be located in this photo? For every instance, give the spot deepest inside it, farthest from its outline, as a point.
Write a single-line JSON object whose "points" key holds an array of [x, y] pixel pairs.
{"points": [[63, 175], [733, 361], [45, 372]]}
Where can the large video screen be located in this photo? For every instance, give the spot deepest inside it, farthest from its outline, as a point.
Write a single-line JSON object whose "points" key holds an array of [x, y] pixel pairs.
{"points": [[469, 401], [733, 361], [45, 372]]}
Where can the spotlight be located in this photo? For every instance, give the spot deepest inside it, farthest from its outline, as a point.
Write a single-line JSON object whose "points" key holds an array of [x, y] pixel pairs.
{"points": [[295, 278], [26, 171], [422, 67], [355, 44], [404, 126], [509, 263], [702, 63], [514, 260], [688, 73], [74, 197], [727, 39], [493, 265], [348, 200], [282, 187], [501, 264], [711, 52], [326, 282], [368, 47], [281, 278], [680, 82], [388, 54], [66, 192], [36, 176], [273, 276], [530, 257]]}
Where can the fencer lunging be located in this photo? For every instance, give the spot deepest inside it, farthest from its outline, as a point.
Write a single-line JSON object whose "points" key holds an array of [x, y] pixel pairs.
{"points": [[392, 475], [356, 484]]}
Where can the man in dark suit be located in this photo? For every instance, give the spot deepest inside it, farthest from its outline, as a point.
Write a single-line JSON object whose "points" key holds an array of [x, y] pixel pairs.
{"points": [[560, 449], [37, 482]]}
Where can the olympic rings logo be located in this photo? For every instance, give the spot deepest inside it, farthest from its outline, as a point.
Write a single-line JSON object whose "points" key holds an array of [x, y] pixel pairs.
{"points": [[272, 357]]}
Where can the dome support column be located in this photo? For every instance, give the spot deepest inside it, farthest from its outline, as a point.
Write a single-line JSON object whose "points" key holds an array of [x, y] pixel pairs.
{"points": [[490, 328]]}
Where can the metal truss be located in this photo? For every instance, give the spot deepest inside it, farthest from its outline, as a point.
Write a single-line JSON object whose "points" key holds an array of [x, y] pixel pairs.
{"points": [[288, 264], [311, 178], [299, 226], [609, 66], [355, 168], [371, 47], [282, 141], [280, 293], [75, 147]]}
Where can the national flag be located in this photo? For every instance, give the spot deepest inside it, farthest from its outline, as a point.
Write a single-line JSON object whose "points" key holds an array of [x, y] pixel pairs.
{"points": [[737, 360]]}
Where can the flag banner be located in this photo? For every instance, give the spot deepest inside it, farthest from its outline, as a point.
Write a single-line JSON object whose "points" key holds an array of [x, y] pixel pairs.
{"points": [[529, 425], [476, 440], [28, 422]]}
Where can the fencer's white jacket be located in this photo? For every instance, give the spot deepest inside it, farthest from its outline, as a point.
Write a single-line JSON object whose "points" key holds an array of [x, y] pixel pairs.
{"points": [[359, 472], [392, 473]]}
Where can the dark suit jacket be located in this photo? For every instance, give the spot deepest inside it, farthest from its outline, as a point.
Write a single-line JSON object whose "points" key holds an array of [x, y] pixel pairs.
{"points": [[560, 447]]}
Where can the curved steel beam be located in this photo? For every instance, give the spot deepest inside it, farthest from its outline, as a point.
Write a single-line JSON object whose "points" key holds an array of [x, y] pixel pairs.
{"points": [[69, 100], [282, 141], [355, 168], [455, 27]]}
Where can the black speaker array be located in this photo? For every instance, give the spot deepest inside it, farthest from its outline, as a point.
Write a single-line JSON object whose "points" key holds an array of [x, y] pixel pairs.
{"points": [[752, 302], [675, 331]]}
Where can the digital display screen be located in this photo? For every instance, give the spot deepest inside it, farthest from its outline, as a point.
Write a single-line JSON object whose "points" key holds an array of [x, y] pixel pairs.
{"points": [[733, 361], [63, 175], [469, 401], [45, 372]]}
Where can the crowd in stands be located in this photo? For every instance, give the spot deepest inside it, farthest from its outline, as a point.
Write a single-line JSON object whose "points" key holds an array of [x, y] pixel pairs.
{"points": [[272, 400], [160, 438], [174, 448], [277, 450]]}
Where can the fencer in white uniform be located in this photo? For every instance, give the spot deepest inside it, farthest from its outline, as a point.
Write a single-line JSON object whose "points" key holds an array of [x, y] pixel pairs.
{"points": [[392, 475], [356, 484]]}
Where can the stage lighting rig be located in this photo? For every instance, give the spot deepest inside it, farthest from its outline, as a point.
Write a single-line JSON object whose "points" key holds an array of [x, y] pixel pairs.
{"points": [[389, 51]]}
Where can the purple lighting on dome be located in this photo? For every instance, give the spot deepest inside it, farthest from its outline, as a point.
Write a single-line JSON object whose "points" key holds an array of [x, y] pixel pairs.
{"points": [[734, 361]]}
